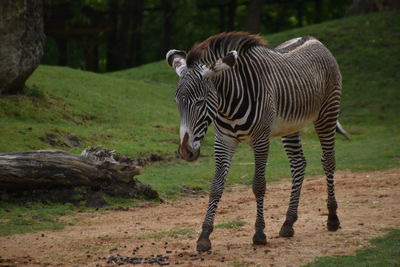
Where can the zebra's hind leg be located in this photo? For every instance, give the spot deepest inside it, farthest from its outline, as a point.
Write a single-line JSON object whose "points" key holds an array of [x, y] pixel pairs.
{"points": [[260, 148], [223, 155], [297, 160], [325, 127]]}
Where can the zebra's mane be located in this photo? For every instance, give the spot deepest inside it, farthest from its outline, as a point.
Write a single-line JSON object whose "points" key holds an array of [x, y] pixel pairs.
{"points": [[220, 44]]}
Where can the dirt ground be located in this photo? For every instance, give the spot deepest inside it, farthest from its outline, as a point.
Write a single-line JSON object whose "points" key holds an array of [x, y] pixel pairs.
{"points": [[369, 203]]}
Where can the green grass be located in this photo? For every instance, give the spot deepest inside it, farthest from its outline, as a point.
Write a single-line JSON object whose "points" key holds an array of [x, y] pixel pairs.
{"points": [[240, 264], [118, 203], [365, 47], [129, 116], [133, 112], [230, 225], [155, 72], [33, 217], [385, 253]]}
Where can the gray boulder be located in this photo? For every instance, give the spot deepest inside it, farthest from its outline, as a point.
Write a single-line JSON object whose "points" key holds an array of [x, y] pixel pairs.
{"points": [[21, 42]]}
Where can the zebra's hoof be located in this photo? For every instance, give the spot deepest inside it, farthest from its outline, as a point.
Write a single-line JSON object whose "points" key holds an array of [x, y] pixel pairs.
{"points": [[203, 245], [259, 238], [333, 222], [286, 231]]}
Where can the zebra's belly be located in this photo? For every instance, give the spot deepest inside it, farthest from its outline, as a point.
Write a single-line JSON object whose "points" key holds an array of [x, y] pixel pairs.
{"points": [[282, 127]]}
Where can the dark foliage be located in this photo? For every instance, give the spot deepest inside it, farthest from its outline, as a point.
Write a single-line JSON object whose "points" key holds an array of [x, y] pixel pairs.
{"points": [[108, 35]]}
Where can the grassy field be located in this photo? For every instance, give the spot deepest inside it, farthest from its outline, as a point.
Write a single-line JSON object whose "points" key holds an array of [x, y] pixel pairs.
{"points": [[385, 253], [32, 217], [133, 112], [364, 47], [97, 109]]}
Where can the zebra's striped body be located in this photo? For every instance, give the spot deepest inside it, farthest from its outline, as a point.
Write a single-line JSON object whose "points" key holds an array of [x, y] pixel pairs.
{"points": [[253, 93]]}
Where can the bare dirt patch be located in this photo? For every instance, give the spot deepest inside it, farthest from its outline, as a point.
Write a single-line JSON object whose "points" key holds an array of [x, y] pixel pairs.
{"points": [[368, 204], [62, 139]]}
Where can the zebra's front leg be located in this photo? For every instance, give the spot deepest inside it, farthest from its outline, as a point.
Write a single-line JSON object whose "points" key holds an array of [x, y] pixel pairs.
{"points": [[297, 160], [260, 148], [223, 155]]}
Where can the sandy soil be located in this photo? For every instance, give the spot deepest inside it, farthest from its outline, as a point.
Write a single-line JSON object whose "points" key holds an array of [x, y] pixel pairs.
{"points": [[369, 203]]}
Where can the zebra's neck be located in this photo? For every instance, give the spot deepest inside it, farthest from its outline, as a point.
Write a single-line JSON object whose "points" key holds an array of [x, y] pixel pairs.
{"points": [[241, 99]]}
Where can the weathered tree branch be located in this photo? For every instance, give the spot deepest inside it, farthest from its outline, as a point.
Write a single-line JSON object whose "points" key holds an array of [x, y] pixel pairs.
{"points": [[95, 168]]}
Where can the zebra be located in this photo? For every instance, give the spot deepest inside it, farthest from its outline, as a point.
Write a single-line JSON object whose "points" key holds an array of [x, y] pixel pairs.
{"points": [[251, 93]]}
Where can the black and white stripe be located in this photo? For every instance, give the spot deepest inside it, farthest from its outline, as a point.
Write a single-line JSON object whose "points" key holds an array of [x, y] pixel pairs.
{"points": [[252, 93]]}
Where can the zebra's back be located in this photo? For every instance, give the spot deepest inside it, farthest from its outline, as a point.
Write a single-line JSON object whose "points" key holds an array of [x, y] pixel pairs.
{"points": [[300, 75]]}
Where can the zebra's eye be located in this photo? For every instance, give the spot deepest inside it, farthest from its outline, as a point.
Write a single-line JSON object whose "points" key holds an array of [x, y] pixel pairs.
{"points": [[200, 102]]}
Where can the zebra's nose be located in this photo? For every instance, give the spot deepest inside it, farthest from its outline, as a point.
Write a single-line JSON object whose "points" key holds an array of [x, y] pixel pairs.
{"points": [[189, 154], [186, 151]]}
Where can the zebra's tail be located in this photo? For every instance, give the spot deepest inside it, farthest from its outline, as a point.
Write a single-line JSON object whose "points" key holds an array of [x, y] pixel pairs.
{"points": [[339, 129]]}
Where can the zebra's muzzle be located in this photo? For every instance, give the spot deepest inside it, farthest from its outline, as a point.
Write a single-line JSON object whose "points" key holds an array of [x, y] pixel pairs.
{"points": [[186, 151]]}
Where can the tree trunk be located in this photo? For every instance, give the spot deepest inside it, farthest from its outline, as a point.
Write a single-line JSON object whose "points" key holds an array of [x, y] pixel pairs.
{"points": [[222, 27], [62, 47], [124, 46], [21, 42], [166, 26], [231, 15], [300, 13], [56, 15], [135, 48], [94, 168], [253, 18], [92, 55], [318, 11], [119, 45], [112, 51]]}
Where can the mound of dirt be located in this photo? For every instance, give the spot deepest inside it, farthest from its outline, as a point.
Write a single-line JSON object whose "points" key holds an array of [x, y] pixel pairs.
{"points": [[61, 139]]}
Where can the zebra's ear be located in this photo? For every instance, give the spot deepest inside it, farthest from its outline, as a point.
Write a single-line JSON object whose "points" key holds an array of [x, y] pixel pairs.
{"points": [[221, 64], [177, 60]]}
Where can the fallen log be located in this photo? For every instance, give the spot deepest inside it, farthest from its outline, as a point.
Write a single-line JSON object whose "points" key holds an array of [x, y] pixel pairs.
{"points": [[95, 168]]}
